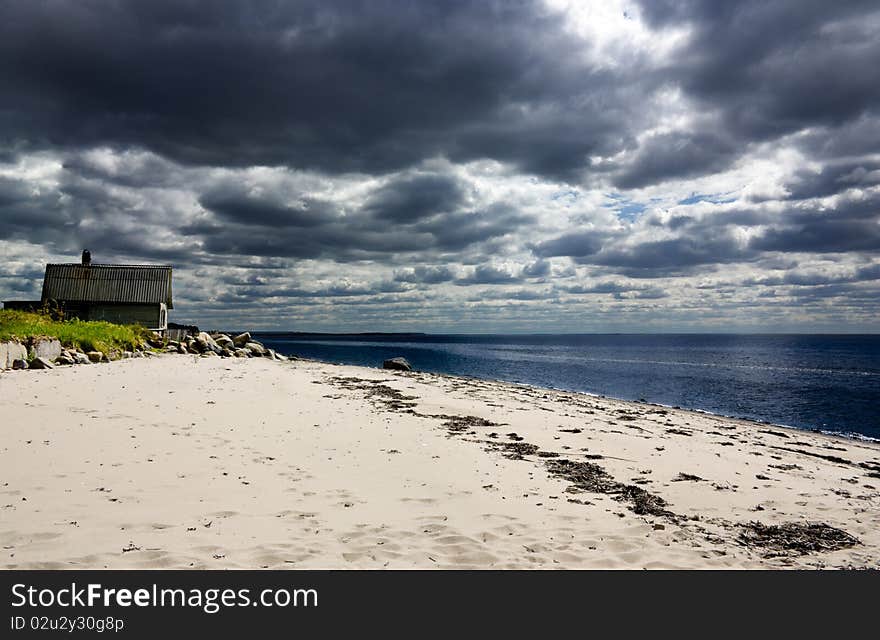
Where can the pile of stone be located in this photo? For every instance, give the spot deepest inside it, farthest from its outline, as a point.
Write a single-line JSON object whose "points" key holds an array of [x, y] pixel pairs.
{"points": [[219, 344], [46, 353]]}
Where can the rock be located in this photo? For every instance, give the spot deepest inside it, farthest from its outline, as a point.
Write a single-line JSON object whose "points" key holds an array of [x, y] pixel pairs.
{"points": [[41, 363], [95, 356], [10, 352], [19, 363], [241, 339], [209, 354], [47, 348], [181, 349], [207, 343], [278, 356], [255, 348], [65, 359], [399, 364], [224, 341], [227, 353], [80, 358], [242, 353], [126, 355]]}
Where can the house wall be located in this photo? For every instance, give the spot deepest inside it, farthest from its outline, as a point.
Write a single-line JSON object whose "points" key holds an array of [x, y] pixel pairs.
{"points": [[148, 315]]}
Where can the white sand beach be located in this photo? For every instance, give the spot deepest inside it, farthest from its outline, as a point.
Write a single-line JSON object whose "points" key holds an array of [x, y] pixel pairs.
{"points": [[181, 461]]}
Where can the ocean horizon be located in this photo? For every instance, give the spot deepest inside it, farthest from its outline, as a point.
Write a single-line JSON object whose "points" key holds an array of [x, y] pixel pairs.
{"points": [[820, 382]]}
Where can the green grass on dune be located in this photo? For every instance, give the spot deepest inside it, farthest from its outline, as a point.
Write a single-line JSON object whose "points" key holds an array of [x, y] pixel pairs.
{"points": [[88, 336]]}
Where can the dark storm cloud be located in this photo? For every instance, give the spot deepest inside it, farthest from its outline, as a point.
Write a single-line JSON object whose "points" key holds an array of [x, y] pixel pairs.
{"points": [[488, 274], [426, 274], [232, 204], [411, 198], [577, 244], [677, 155], [833, 179], [26, 214], [537, 269], [771, 68], [822, 236], [354, 86]]}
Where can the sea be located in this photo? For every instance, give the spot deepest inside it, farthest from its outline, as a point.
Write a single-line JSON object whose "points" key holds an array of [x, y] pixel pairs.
{"points": [[828, 383]]}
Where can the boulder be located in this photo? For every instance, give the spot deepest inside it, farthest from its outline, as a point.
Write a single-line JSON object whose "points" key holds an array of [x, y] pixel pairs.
{"points": [[41, 363], [19, 363], [47, 348], [242, 353], [65, 358], [398, 364], [95, 356], [80, 358], [205, 343], [241, 339], [224, 341], [10, 352], [255, 348]]}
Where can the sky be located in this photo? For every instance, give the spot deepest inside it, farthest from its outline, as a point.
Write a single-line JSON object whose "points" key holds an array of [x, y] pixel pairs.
{"points": [[547, 166]]}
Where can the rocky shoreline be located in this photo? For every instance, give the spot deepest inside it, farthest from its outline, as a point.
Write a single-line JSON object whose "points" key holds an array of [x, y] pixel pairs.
{"points": [[47, 352]]}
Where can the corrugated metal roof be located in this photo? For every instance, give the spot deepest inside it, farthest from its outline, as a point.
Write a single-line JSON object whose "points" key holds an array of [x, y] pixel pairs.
{"points": [[143, 284]]}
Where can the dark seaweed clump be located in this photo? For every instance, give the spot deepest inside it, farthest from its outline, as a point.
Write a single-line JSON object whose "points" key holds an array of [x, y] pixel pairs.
{"points": [[515, 450], [795, 538], [588, 476]]}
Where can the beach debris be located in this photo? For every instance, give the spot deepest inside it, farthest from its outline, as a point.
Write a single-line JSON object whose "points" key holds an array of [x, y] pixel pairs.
{"points": [[779, 434], [795, 538], [590, 477], [514, 450], [687, 477], [398, 364], [390, 398], [822, 456]]}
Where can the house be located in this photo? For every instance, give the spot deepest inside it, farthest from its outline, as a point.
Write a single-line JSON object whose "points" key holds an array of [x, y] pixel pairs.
{"points": [[122, 294]]}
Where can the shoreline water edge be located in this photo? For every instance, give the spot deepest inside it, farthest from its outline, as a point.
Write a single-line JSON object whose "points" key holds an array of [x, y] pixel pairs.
{"points": [[302, 464], [822, 400]]}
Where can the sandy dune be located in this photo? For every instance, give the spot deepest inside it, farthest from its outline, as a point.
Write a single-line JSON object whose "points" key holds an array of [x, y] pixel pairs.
{"points": [[181, 461]]}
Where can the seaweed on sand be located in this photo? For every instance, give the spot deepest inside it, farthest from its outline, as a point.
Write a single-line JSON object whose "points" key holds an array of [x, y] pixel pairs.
{"points": [[588, 476], [795, 538]]}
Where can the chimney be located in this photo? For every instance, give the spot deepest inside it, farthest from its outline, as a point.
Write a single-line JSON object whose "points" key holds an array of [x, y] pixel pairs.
{"points": [[87, 258]]}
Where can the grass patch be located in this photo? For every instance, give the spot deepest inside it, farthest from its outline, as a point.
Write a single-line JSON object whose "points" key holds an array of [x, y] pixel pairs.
{"points": [[88, 336]]}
